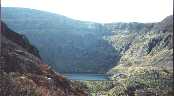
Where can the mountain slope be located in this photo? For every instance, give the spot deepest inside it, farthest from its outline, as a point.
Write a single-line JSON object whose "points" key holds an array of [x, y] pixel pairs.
{"points": [[67, 45], [145, 47], [74, 46], [23, 73], [146, 64], [146, 67], [140, 54]]}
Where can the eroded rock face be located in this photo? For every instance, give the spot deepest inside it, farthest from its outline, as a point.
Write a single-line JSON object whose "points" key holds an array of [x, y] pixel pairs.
{"points": [[148, 62], [24, 73], [145, 47]]}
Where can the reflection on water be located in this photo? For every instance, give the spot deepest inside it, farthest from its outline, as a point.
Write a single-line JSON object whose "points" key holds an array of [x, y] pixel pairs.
{"points": [[85, 76]]}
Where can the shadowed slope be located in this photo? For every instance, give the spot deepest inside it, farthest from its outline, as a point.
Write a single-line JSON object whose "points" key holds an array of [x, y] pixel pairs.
{"points": [[24, 74]]}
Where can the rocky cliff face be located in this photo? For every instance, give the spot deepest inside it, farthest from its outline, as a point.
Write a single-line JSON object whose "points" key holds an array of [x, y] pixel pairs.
{"points": [[22, 72], [140, 54], [146, 67], [143, 47]]}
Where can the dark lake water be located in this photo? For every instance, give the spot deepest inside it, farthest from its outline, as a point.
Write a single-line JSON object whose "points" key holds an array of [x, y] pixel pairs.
{"points": [[85, 76]]}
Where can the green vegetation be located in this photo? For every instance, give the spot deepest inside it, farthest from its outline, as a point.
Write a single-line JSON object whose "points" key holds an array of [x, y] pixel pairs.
{"points": [[139, 55], [139, 82], [145, 67], [147, 64]]}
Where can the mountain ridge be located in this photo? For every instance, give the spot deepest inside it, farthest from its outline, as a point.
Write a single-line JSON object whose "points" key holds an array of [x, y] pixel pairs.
{"points": [[70, 39], [137, 56], [77, 46]]}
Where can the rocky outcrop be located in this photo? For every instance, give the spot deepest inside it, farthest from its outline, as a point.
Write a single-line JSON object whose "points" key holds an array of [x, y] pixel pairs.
{"points": [[22, 72], [145, 67], [140, 54], [148, 62], [144, 46]]}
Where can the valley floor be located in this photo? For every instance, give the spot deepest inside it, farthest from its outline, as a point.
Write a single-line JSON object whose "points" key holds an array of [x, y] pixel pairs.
{"points": [[149, 83]]}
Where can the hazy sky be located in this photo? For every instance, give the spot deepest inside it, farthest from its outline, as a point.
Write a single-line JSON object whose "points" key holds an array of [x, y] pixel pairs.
{"points": [[101, 10]]}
